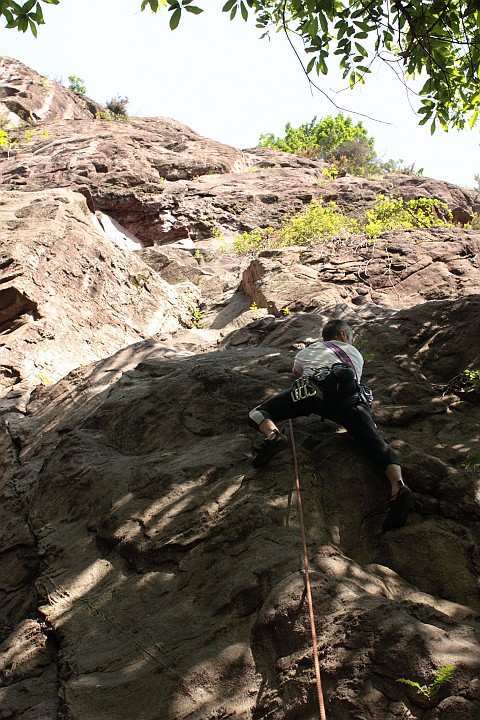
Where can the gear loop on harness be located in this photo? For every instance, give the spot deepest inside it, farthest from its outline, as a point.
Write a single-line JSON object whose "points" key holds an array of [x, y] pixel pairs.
{"points": [[302, 389]]}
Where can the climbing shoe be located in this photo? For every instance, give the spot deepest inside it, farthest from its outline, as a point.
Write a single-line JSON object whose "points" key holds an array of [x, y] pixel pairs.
{"points": [[269, 448], [400, 506]]}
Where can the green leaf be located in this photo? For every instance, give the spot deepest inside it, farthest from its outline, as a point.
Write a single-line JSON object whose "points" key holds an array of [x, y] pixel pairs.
{"points": [[361, 50], [244, 11], [228, 5], [175, 19], [37, 16], [28, 6], [472, 121], [193, 9], [323, 23]]}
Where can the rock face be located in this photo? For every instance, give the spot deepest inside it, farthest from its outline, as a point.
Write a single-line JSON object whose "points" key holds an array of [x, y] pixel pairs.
{"points": [[147, 570], [27, 97], [399, 270], [68, 294]]}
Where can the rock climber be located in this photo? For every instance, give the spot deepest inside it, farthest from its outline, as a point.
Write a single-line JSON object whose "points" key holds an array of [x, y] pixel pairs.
{"points": [[327, 383]]}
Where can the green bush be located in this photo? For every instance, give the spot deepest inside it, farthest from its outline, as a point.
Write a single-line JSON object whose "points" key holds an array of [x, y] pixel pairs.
{"points": [[471, 462], [318, 139], [76, 85], [355, 157], [118, 107], [104, 115], [259, 239], [391, 213], [339, 141], [398, 166], [318, 223], [473, 377], [4, 140]]}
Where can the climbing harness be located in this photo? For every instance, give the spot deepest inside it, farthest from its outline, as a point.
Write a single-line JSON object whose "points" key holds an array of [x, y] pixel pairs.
{"points": [[302, 389], [366, 394], [308, 591], [310, 385]]}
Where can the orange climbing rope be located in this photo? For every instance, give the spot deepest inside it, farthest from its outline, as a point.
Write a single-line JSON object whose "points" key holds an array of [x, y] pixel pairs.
{"points": [[321, 704]]}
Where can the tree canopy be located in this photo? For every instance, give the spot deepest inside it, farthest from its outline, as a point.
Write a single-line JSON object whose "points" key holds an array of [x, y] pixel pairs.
{"points": [[436, 41], [345, 145], [321, 137]]}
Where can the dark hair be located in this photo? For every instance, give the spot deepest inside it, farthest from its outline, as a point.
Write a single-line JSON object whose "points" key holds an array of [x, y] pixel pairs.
{"points": [[333, 328]]}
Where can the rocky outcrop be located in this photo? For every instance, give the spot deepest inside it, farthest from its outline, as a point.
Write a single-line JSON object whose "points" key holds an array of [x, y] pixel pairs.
{"points": [[27, 97], [399, 270], [69, 295], [164, 182], [147, 570]]}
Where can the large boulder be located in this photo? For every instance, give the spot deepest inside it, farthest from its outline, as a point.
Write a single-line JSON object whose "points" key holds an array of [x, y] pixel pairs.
{"points": [[399, 269]]}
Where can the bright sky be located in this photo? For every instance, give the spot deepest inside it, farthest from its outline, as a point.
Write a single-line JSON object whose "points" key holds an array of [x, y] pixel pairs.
{"points": [[221, 80]]}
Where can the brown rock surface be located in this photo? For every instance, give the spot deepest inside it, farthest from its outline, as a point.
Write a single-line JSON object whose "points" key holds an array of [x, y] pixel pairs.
{"points": [[147, 570], [162, 548], [68, 294], [26, 96], [398, 270], [164, 182]]}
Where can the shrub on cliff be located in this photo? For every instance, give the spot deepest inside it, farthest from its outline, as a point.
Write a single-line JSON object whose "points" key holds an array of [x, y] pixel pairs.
{"points": [[320, 222], [390, 213], [311, 227], [337, 140], [118, 107], [76, 85], [318, 139]]}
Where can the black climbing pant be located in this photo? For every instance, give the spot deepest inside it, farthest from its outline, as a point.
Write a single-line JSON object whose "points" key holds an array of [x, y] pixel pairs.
{"points": [[355, 418]]}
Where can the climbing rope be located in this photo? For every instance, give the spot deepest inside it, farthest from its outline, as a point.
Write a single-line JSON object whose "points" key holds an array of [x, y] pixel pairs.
{"points": [[308, 592]]}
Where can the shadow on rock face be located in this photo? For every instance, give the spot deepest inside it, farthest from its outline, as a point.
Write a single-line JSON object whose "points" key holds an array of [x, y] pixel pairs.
{"points": [[167, 559], [147, 570]]}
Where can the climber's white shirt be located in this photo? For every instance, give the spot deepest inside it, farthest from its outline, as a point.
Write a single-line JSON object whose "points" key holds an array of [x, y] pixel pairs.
{"points": [[317, 355]]}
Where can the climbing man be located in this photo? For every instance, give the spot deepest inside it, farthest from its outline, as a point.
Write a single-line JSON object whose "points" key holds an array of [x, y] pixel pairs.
{"points": [[327, 383]]}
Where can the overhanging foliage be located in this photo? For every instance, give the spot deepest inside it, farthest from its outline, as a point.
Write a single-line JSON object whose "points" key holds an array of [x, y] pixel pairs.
{"points": [[437, 41], [434, 40]]}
